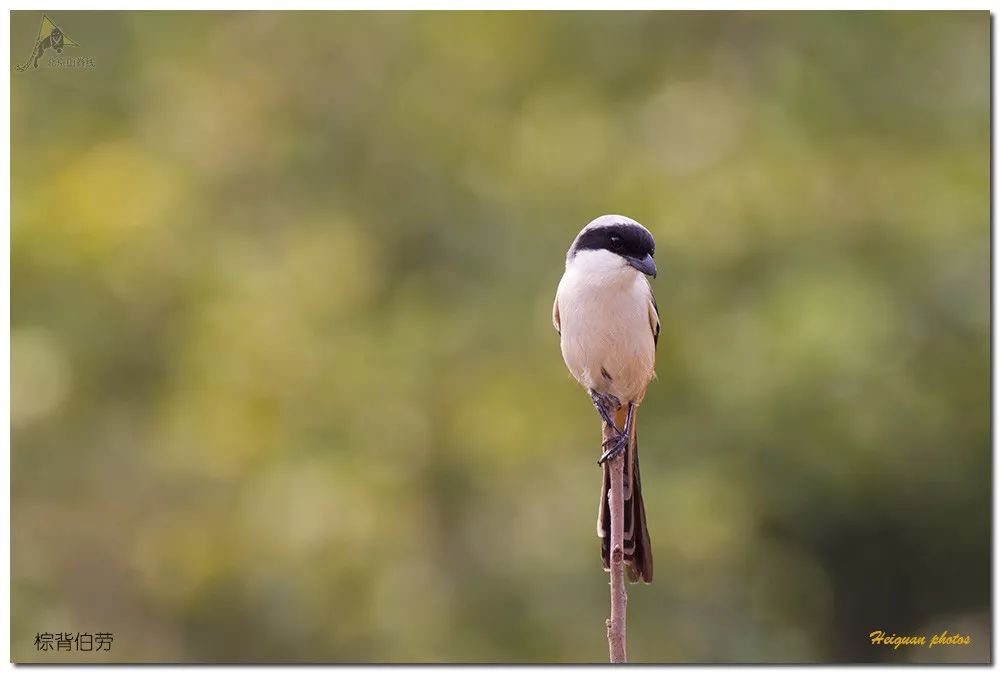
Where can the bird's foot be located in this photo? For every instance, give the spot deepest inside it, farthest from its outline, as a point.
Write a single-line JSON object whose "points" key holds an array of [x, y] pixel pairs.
{"points": [[606, 404], [615, 445]]}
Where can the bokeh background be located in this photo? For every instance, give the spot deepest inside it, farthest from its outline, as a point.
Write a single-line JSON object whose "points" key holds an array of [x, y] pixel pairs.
{"points": [[285, 385]]}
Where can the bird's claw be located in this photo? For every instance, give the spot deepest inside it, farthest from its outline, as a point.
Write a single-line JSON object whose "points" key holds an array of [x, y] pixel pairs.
{"points": [[617, 445]]}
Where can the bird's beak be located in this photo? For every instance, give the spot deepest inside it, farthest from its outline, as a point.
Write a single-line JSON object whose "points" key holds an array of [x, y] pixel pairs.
{"points": [[646, 264]]}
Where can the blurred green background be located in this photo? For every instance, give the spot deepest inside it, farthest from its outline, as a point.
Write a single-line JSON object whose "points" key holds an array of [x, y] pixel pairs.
{"points": [[285, 385]]}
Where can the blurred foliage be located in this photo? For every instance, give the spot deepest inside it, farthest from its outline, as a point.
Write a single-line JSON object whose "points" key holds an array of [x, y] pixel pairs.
{"points": [[285, 386]]}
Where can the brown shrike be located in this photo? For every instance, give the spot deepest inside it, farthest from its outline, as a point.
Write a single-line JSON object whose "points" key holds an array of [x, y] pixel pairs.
{"points": [[608, 326]]}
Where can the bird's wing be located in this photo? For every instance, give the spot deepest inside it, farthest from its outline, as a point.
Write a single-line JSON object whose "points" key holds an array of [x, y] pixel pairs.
{"points": [[654, 318], [555, 315]]}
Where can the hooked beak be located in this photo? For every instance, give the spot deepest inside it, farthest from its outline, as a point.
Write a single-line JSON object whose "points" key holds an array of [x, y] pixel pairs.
{"points": [[646, 264]]}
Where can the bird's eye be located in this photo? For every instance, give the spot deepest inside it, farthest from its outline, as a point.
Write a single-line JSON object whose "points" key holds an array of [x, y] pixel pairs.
{"points": [[616, 239]]}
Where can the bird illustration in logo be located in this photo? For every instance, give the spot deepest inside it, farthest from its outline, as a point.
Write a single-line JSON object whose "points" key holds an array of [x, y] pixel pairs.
{"points": [[50, 36]]}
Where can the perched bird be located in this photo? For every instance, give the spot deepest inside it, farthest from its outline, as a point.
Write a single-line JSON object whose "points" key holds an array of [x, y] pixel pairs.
{"points": [[608, 326]]}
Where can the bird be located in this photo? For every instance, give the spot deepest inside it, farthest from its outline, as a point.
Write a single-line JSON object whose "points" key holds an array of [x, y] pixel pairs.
{"points": [[609, 326]]}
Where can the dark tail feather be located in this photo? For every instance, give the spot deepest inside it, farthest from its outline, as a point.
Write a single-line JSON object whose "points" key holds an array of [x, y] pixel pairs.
{"points": [[637, 551], [641, 561]]}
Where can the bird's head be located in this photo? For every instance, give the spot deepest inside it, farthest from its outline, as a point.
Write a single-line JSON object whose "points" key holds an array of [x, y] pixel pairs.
{"points": [[614, 243]]}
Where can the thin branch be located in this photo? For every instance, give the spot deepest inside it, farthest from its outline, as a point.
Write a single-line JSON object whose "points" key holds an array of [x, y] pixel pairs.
{"points": [[616, 498]]}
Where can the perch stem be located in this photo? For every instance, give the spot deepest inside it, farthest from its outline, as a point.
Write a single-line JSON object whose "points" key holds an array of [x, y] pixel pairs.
{"points": [[616, 503]]}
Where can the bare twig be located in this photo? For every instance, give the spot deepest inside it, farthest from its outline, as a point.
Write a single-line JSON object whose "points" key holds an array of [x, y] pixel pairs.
{"points": [[616, 498]]}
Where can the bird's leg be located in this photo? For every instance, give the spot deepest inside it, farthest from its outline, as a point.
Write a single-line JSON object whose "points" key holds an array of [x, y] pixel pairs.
{"points": [[618, 444], [605, 404]]}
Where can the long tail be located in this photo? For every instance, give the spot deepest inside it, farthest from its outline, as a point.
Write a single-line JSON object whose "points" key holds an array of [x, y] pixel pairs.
{"points": [[637, 551]]}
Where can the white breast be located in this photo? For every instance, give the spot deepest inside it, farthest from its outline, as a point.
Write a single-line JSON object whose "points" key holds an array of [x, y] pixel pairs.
{"points": [[604, 314]]}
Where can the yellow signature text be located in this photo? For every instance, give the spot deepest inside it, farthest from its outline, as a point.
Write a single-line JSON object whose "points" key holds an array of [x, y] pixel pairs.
{"points": [[895, 641]]}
